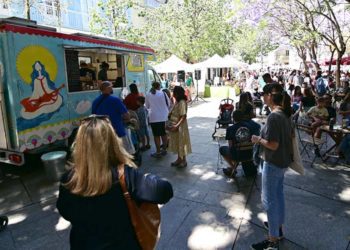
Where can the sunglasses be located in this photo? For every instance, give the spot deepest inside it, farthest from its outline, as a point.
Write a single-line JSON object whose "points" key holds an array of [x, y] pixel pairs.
{"points": [[91, 119]]}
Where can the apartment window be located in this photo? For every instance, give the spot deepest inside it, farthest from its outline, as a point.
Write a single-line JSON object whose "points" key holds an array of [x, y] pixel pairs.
{"points": [[52, 7]]}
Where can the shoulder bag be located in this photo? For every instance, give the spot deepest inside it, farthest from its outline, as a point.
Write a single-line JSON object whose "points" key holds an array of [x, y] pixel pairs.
{"points": [[297, 163], [145, 218]]}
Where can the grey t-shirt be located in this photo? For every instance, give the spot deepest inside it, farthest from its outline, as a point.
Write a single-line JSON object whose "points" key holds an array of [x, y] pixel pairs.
{"points": [[278, 128]]}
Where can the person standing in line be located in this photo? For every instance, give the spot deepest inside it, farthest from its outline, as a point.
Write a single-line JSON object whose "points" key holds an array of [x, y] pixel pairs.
{"points": [[142, 114], [90, 194], [277, 152], [180, 142], [112, 106], [157, 102], [130, 100]]}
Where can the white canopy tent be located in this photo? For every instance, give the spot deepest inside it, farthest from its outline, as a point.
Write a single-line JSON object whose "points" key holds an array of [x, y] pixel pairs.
{"points": [[172, 65], [232, 62], [215, 61]]}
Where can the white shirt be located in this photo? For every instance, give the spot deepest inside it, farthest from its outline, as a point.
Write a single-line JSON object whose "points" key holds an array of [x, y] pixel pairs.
{"points": [[157, 106]]}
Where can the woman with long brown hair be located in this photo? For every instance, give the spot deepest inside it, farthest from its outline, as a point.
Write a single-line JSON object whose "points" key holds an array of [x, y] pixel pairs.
{"points": [[90, 194]]}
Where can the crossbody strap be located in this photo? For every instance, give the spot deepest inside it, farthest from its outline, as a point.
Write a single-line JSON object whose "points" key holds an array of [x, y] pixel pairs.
{"points": [[99, 103]]}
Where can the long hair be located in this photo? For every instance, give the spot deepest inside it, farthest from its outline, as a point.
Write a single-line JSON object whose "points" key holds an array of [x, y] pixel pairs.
{"points": [[244, 98], [179, 94], [97, 150], [279, 97], [308, 92], [133, 88]]}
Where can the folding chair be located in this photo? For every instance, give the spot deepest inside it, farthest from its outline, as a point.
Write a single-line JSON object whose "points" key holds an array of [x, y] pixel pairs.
{"points": [[308, 141], [245, 155]]}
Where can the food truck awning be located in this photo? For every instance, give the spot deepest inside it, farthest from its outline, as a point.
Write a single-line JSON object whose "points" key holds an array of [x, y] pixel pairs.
{"points": [[95, 49]]}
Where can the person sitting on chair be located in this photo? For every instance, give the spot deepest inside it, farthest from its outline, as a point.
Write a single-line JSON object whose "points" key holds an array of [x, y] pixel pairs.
{"points": [[239, 133]]}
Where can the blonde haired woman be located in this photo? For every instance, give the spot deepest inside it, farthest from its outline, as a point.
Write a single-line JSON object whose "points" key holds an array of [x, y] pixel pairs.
{"points": [[90, 195]]}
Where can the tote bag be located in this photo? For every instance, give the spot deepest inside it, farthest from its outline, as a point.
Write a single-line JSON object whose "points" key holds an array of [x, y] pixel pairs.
{"points": [[297, 163], [145, 218]]}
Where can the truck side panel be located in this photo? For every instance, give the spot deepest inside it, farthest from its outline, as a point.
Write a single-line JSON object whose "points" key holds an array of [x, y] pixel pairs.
{"points": [[40, 95], [4, 137]]}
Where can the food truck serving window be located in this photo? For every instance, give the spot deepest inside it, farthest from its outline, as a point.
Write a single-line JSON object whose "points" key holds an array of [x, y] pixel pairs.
{"points": [[87, 68]]}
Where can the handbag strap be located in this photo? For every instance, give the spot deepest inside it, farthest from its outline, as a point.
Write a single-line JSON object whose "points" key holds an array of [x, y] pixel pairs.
{"points": [[166, 100], [121, 177], [99, 103]]}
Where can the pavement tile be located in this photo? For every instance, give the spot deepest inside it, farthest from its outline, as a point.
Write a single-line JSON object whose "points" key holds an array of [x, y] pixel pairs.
{"points": [[14, 199], [206, 227], [206, 212], [250, 233], [309, 217]]}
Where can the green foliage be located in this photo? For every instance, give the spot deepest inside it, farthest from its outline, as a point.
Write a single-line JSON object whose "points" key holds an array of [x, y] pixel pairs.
{"points": [[109, 18], [193, 29], [252, 41]]}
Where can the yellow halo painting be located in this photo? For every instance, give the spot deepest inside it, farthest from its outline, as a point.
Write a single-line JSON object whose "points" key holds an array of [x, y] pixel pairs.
{"points": [[38, 67]]}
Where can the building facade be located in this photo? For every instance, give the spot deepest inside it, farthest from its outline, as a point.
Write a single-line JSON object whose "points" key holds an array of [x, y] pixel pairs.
{"points": [[68, 15]]}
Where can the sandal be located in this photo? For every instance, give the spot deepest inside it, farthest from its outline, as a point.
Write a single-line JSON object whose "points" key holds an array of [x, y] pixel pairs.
{"points": [[3, 222], [175, 163], [182, 165], [156, 155]]}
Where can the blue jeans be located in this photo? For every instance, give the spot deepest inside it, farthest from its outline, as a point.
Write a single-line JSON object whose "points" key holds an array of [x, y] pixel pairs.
{"points": [[272, 196]]}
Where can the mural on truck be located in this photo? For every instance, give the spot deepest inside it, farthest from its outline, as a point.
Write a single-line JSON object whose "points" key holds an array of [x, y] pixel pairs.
{"points": [[40, 98], [45, 99]]}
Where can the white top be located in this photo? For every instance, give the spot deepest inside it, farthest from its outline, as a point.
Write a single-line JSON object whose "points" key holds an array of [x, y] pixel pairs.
{"points": [[157, 106]]}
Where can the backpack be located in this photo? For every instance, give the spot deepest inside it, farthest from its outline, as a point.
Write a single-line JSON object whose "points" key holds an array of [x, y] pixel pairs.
{"points": [[320, 87]]}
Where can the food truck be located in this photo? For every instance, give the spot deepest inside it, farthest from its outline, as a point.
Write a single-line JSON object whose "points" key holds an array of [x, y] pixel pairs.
{"points": [[48, 81]]}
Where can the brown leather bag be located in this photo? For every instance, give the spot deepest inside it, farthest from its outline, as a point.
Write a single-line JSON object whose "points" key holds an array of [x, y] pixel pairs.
{"points": [[145, 218]]}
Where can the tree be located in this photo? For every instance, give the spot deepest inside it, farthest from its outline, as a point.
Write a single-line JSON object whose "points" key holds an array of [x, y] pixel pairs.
{"points": [[191, 29], [329, 20], [252, 41], [110, 18]]}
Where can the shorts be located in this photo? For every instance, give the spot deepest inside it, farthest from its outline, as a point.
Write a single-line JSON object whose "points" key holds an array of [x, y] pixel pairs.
{"points": [[158, 128]]}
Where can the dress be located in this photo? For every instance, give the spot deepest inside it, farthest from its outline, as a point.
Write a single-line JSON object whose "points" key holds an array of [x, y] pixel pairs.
{"points": [[179, 141]]}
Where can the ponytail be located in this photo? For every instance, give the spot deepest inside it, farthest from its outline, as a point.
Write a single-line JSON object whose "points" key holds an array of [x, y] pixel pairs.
{"points": [[279, 97], [286, 104]]}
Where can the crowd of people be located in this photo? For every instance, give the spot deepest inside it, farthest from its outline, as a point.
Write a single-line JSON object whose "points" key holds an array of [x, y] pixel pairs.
{"points": [[283, 97], [107, 143]]}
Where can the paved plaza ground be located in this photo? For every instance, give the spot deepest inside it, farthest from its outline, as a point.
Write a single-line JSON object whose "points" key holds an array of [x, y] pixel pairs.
{"points": [[206, 212]]}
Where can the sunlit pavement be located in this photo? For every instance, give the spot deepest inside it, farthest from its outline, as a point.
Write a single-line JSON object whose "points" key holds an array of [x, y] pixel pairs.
{"points": [[206, 212]]}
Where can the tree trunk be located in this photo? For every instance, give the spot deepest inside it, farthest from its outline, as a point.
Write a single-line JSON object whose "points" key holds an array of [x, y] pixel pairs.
{"points": [[337, 73], [313, 55], [27, 9], [330, 62], [302, 54]]}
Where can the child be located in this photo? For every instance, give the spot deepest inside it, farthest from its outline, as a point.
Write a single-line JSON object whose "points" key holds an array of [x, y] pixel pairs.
{"points": [[142, 114], [319, 116]]}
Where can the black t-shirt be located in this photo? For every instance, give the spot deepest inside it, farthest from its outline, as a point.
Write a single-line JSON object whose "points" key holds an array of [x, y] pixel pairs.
{"points": [[332, 113], [242, 132]]}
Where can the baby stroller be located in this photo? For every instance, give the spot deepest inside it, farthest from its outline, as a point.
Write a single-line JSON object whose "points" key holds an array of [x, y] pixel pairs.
{"points": [[225, 118]]}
